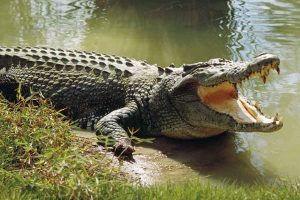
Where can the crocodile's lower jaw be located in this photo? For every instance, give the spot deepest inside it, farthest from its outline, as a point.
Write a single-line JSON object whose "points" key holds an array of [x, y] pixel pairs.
{"points": [[224, 98]]}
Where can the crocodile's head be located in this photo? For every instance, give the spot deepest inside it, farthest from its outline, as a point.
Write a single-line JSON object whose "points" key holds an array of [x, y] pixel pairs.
{"points": [[207, 98]]}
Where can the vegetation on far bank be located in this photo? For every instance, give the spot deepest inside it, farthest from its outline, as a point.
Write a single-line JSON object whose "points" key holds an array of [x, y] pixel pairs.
{"points": [[40, 158]]}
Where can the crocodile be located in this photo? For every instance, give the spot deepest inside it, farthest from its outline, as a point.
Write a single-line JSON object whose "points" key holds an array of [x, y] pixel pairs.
{"points": [[113, 93]]}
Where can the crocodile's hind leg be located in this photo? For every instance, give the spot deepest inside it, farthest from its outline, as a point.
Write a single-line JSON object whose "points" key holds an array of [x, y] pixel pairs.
{"points": [[113, 126], [9, 87]]}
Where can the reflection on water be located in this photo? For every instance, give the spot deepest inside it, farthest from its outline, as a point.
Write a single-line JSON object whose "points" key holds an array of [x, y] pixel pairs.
{"points": [[185, 31], [162, 32], [54, 22], [264, 26]]}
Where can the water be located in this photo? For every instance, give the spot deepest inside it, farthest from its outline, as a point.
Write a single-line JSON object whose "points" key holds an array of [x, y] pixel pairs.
{"points": [[165, 32]]}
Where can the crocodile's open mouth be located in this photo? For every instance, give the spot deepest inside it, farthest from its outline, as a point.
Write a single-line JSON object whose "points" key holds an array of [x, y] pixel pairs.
{"points": [[224, 98]]}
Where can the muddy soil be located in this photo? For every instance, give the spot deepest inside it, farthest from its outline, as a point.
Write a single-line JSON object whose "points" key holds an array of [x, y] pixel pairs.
{"points": [[216, 160]]}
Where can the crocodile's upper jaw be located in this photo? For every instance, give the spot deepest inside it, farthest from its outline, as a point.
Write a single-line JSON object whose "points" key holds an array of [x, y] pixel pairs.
{"points": [[224, 98]]}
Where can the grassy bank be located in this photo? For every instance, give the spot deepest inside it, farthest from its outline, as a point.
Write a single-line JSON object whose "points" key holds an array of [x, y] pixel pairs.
{"points": [[40, 158], [22, 188]]}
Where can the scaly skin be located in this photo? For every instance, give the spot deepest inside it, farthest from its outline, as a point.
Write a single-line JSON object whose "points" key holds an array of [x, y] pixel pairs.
{"points": [[116, 93]]}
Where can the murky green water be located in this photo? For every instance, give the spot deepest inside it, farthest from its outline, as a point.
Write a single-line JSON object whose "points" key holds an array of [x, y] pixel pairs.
{"points": [[166, 32]]}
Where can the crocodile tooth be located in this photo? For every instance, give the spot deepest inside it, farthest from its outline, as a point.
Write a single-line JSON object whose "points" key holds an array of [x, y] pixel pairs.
{"points": [[264, 79], [234, 85], [257, 105], [277, 122], [277, 69], [240, 84], [265, 71], [268, 71], [275, 118]]}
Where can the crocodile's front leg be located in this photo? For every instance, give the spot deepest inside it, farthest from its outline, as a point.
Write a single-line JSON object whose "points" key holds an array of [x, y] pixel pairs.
{"points": [[114, 124]]}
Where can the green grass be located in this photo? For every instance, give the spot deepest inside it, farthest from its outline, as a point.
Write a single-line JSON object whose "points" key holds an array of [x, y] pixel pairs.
{"points": [[196, 190], [40, 158]]}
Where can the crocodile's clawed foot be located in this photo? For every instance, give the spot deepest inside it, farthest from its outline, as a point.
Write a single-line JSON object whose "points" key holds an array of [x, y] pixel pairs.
{"points": [[123, 148]]}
